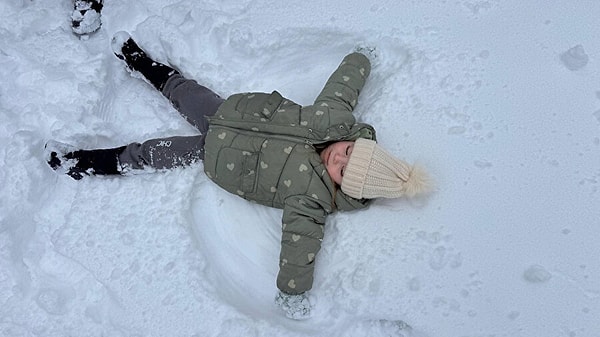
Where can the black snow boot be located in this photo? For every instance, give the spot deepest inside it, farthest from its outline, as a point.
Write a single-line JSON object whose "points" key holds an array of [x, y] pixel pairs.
{"points": [[127, 50], [77, 163], [85, 18]]}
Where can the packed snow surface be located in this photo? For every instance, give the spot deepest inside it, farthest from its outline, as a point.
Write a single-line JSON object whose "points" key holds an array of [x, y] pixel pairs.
{"points": [[499, 100]]}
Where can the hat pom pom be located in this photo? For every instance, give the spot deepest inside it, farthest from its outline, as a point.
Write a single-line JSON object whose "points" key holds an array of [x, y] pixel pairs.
{"points": [[418, 182]]}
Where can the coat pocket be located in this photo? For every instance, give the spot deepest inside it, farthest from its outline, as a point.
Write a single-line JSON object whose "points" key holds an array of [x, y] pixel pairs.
{"points": [[237, 170], [259, 107], [270, 107]]}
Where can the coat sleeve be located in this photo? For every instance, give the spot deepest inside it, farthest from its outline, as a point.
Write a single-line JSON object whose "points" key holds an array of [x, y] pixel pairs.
{"points": [[302, 234], [344, 85]]}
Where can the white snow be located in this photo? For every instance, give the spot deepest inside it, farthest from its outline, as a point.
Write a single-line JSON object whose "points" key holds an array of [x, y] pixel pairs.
{"points": [[500, 100]]}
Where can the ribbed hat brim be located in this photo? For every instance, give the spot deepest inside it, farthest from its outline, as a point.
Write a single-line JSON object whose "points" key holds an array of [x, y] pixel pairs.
{"points": [[357, 168]]}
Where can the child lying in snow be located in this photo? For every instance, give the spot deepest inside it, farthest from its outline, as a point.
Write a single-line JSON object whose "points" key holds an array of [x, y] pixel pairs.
{"points": [[268, 149]]}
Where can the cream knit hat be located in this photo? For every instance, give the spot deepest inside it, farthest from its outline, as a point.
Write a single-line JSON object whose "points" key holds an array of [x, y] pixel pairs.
{"points": [[372, 172]]}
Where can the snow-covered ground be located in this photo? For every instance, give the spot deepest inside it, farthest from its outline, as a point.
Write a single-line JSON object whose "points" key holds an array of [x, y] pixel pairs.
{"points": [[500, 100]]}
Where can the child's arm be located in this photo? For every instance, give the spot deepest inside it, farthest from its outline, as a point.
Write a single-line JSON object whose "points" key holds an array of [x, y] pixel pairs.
{"points": [[344, 85], [303, 221]]}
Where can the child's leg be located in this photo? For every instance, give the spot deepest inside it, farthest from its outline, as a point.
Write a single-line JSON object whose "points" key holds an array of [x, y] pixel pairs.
{"points": [[163, 153], [137, 60], [65, 158], [193, 101]]}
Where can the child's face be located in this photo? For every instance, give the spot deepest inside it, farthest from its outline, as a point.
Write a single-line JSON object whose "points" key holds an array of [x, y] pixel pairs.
{"points": [[335, 157]]}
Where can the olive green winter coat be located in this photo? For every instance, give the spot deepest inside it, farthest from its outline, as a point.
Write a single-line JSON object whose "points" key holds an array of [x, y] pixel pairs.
{"points": [[264, 148]]}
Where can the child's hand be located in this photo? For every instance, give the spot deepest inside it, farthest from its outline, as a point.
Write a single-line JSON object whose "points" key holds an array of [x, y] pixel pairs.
{"points": [[295, 306], [369, 51]]}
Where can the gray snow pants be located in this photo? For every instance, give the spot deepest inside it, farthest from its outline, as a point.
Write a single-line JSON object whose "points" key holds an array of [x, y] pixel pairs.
{"points": [[194, 102]]}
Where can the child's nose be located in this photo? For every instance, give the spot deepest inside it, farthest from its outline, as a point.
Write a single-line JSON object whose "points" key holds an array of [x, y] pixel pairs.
{"points": [[340, 158]]}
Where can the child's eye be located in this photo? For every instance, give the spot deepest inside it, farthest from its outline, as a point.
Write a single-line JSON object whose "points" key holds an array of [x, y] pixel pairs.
{"points": [[348, 150]]}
